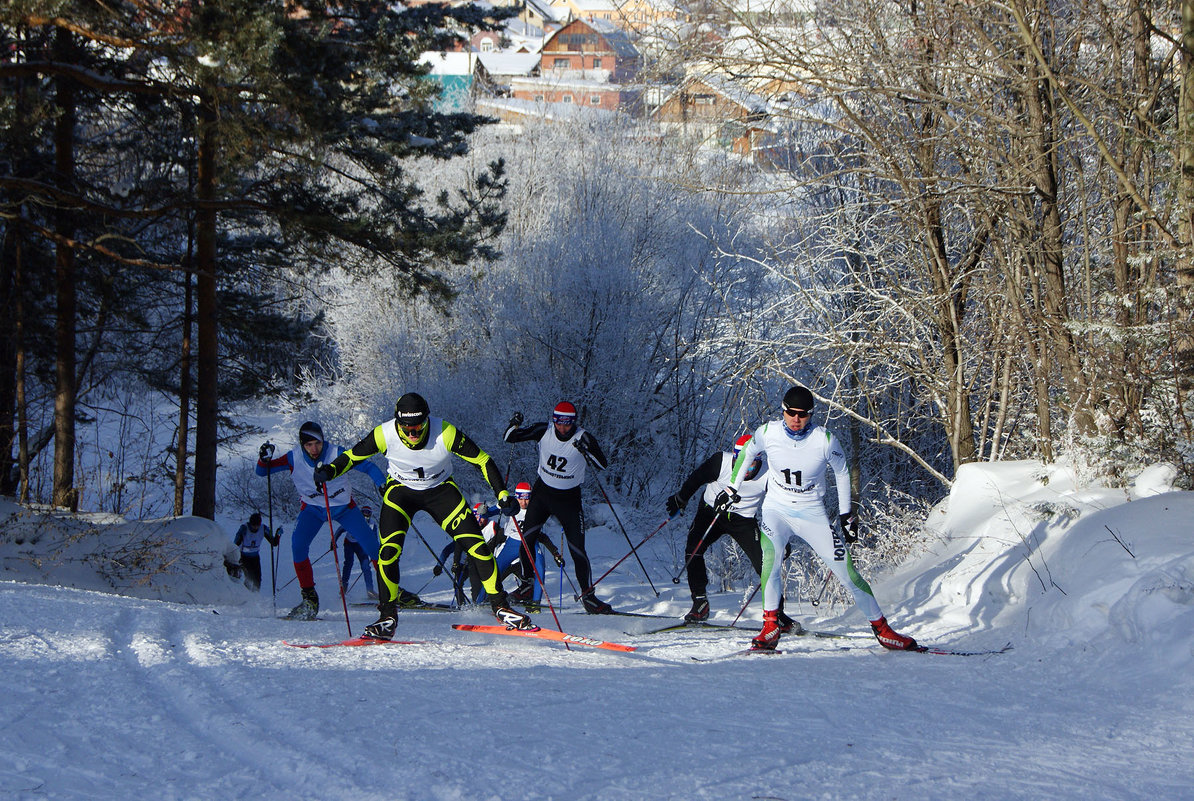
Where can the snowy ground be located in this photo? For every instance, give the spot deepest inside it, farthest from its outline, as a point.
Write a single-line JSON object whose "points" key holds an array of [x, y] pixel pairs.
{"points": [[179, 688]]}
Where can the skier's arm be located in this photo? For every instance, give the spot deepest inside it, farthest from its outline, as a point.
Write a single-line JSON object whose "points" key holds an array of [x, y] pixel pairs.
{"points": [[373, 443], [240, 534], [841, 472], [532, 432], [459, 443], [277, 464], [708, 472], [586, 443]]}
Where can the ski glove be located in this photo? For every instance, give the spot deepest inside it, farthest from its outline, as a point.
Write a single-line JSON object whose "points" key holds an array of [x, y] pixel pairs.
{"points": [[725, 499], [515, 421], [849, 522], [323, 474], [437, 570], [508, 504], [265, 451], [675, 505], [559, 559]]}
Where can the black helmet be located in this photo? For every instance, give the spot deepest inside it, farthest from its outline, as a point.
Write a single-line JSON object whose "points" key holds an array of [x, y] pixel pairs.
{"points": [[798, 398], [309, 431], [410, 417]]}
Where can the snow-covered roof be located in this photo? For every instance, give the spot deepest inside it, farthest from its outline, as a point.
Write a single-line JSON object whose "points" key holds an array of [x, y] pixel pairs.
{"points": [[449, 63], [509, 63]]}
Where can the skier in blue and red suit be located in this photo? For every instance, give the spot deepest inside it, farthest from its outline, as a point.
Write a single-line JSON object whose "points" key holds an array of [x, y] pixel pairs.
{"points": [[311, 452]]}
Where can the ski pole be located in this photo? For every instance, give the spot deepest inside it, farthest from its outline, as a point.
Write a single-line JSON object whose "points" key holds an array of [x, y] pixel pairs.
{"points": [[315, 562], [327, 505], [269, 491], [748, 600], [633, 548], [434, 555], [526, 550], [817, 601], [563, 575], [691, 556]]}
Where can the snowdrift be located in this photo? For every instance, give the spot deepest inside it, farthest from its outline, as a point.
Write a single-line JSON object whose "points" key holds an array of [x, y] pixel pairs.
{"points": [[1028, 551], [172, 559]]}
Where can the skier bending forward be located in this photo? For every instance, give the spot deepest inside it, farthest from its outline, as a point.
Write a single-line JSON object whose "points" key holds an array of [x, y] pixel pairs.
{"points": [[418, 450]]}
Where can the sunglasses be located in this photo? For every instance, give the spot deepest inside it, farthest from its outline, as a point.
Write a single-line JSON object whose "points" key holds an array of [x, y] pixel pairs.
{"points": [[801, 413], [563, 419], [522, 496]]}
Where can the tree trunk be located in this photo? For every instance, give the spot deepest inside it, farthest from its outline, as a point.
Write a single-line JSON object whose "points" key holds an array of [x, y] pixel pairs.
{"points": [[1185, 263], [10, 298], [184, 397], [203, 501], [64, 493]]}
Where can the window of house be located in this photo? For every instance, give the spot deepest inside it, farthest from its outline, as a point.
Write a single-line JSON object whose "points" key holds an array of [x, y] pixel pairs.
{"points": [[538, 98], [566, 99], [486, 45], [561, 63], [703, 100], [596, 63], [594, 100]]}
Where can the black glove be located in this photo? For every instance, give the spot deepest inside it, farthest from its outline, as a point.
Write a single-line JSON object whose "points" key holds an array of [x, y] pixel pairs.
{"points": [[509, 505], [725, 499], [323, 474], [556, 555], [675, 505], [849, 522], [580, 444], [265, 451], [437, 570], [273, 539], [515, 421]]}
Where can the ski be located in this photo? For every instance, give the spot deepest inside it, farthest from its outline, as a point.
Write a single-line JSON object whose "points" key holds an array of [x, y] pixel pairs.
{"points": [[546, 634], [349, 643], [421, 607], [731, 655], [723, 627], [930, 649]]}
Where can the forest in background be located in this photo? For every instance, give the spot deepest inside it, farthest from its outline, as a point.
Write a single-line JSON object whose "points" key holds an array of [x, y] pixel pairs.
{"points": [[979, 247]]}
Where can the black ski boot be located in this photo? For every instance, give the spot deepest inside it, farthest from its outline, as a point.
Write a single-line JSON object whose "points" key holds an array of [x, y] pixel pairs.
{"points": [[787, 625], [508, 617], [408, 600], [594, 605], [308, 608], [385, 625], [523, 593], [699, 611]]}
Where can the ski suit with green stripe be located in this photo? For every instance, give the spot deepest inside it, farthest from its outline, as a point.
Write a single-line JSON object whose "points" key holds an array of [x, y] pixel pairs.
{"points": [[794, 505]]}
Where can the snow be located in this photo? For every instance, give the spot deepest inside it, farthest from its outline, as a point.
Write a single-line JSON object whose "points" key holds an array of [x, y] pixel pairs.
{"points": [[163, 678]]}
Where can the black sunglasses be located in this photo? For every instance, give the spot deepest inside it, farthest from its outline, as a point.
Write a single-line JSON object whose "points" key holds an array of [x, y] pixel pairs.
{"points": [[801, 413]]}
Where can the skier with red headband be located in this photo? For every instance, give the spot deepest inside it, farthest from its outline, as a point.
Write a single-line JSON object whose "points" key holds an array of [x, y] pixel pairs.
{"points": [[711, 523], [565, 450]]}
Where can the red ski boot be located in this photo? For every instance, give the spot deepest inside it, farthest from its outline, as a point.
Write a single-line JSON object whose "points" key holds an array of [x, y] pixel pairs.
{"points": [[768, 638], [888, 637]]}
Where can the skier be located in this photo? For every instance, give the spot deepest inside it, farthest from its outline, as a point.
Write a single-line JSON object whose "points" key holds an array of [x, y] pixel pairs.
{"points": [[710, 524], [249, 537], [797, 453], [511, 558], [302, 463], [419, 449], [564, 451], [352, 549]]}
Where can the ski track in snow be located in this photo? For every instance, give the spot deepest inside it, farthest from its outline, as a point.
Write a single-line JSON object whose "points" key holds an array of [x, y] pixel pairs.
{"points": [[110, 697], [114, 697]]}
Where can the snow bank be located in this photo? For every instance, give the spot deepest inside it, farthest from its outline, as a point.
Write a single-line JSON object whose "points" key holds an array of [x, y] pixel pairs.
{"points": [[172, 559], [1029, 550]]}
